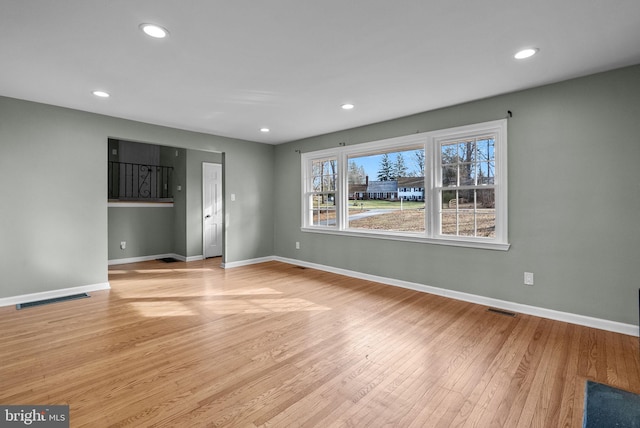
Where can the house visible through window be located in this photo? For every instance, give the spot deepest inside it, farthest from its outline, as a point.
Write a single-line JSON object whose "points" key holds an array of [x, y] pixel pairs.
{"points": [[446, 187], [379, 194]]}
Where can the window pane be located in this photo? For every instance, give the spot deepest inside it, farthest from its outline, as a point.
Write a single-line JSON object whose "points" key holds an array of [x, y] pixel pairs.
{"points": [[449, 222], [486, 149], [486, 213], [450, 175], [466, 151], [466, 222], [468, 213], [467, 174], [317, 183], [449, 154], [468, 163], [324, 175], [398, 216], [486, 199], [386, 190], [323, 209], [486, 173]]}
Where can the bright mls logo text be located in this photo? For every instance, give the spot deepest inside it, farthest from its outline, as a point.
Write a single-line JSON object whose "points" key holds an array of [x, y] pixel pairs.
{"points": [[39, 416]]}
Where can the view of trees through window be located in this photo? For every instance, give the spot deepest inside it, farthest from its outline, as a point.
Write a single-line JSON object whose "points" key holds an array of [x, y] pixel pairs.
{"points": [[324, 179], [467, 193], [386, 191], [445, 185]]}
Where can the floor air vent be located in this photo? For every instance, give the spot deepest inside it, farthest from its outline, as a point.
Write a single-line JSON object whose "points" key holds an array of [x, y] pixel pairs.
{"points": [[168, 260], [501, 312], [54, 300]]}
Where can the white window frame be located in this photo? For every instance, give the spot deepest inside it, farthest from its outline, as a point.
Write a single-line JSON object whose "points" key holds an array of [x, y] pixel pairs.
{"points": [[307, 186], [431, 141]]}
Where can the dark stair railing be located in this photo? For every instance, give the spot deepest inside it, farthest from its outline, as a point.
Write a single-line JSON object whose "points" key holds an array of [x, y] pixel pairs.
{"points": [[140, 182]]}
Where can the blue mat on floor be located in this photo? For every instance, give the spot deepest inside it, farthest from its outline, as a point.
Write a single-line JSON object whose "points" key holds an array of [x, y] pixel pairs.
{"points": [[606, 407]]}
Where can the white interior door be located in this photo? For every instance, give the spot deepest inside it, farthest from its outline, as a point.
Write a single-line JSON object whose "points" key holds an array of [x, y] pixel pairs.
{"points": [[212, 209]]}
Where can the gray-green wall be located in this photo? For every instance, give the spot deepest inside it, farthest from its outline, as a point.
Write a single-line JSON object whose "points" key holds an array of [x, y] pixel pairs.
{"points": [[53, 209], [146, 230], [574, 202]]}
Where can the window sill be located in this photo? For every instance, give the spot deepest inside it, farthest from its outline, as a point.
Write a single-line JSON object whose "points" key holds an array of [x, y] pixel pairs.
{"points": [[453, 242]]}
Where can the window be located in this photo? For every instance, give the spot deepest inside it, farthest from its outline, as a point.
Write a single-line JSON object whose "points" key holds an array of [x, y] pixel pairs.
{"points": [[444, 187], [467, 187], [322, 182], [385, 204]]}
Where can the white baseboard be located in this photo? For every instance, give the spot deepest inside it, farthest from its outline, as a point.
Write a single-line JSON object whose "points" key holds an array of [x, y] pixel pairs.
{"points": [[154, 257], [44, 295], [602, 324], [140, 259], [181, 257], [248, 262]]}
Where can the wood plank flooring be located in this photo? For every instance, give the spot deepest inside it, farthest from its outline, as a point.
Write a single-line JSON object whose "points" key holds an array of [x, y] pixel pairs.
{"points": [[274, 345]]}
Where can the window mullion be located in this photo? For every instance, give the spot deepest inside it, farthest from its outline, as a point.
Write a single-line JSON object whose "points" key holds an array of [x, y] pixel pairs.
{"points": [[458, 207], [342, 195], [434, 181]]}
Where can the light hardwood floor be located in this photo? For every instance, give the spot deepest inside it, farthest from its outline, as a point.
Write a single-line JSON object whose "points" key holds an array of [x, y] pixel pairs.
{"points": [[274, 345]]}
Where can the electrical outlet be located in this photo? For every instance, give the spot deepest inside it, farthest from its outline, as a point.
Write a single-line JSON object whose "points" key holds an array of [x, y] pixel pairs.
{"points": [[297, 245], [528, 278], [123, 245]]}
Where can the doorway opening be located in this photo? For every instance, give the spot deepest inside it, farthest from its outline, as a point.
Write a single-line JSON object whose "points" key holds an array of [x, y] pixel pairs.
{"points": [[144, 225]]}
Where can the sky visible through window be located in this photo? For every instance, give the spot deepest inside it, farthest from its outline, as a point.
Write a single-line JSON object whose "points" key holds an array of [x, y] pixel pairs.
{"points": [[371, 163]]}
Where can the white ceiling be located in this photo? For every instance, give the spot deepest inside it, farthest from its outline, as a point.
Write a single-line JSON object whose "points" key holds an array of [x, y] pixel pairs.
{"points": [[231, 67]]}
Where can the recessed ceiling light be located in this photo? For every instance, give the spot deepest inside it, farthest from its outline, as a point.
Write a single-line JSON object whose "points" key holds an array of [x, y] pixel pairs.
{"points": [[526, 53], [154, 31], [101, 94], [265, 130], [347, 106]]}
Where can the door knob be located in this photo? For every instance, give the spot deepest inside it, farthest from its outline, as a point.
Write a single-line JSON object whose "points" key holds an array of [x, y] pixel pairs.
{"points": [[207, 216]]}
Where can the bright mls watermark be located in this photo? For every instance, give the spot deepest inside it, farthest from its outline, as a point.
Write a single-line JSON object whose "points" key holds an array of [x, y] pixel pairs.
{"points": [[34, 416]]}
